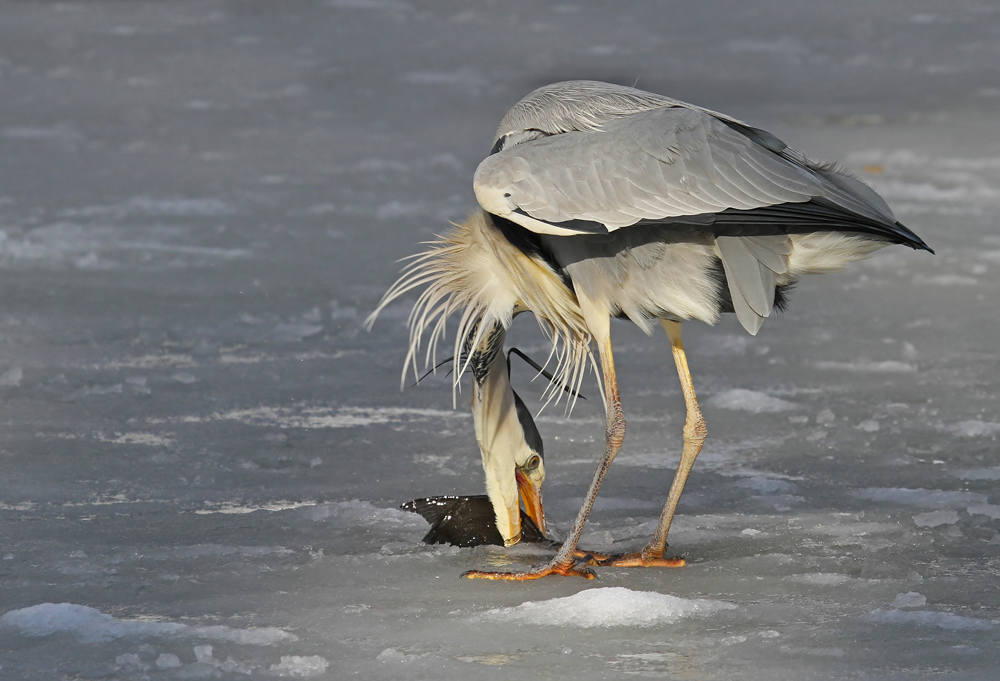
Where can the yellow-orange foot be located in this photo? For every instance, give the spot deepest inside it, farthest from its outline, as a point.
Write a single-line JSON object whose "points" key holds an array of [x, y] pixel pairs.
{"points": [[637, 559], [571, 570], [591, 557]]}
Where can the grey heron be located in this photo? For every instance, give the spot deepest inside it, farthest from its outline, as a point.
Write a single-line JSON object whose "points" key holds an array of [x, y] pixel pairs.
{"points": [[601, 201]]}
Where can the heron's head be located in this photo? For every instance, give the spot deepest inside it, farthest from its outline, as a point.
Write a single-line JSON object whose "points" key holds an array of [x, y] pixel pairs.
{"points": [[515, 470], [529, 465]]}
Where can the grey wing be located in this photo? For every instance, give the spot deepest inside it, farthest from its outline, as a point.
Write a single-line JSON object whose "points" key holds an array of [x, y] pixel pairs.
{"points": [[664, 163], [656, 165]]}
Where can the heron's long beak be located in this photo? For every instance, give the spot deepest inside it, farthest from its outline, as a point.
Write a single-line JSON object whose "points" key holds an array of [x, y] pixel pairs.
{"points": [[531, 495]]}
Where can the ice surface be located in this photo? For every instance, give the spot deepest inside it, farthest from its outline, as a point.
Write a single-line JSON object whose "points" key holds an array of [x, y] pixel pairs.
{"points": [[608, 607], [203, 451]]}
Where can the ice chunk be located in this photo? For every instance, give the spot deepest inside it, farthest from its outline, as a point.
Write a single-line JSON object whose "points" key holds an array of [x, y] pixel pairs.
{"points": [[90, 625], [168, 661], [754, 402], [608, 607], [393, 655], [980, 473], [991, 510], [131, 662], [298, 665], [911, 599], [936, 518], [974, 429], [929, 618], [822, 578]]}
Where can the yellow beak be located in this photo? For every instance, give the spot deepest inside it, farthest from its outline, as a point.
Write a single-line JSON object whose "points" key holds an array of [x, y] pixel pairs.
{"points": [[532, 498]]}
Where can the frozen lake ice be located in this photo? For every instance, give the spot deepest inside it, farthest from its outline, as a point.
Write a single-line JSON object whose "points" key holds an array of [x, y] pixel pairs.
{"points": [[203, 452]]}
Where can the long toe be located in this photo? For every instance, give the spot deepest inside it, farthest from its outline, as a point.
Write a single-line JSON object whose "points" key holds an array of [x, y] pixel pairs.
{"points": [[639, 559], [571, 570]]}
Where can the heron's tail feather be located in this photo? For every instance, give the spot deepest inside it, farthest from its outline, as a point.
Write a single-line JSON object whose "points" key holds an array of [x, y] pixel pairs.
{"points": [[751, 265]]}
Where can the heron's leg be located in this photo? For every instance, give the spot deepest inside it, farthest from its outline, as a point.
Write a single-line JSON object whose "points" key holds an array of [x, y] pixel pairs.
{"points": [[695, 432], [564, 562]]}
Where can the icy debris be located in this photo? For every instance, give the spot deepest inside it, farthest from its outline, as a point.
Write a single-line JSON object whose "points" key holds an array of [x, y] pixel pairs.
{"points": [[754, 402], [492, 659], [869, 426], [947, 280], [143, 205], [147, 439], [979, 473], [321, 417], [765, 484], [825, 417], [974, 429], [393, 5], [929, 618], [91, 625], [195, 551], [924, 498], [203, 655], [293, 332], [822, 578], [936, 518], [608, 607], [465, 78], [168, 661], [298, 665], [362, 513], [393, 655], [991, 510], [889, 366], [12, 377], [911, 599], [131, 662]]}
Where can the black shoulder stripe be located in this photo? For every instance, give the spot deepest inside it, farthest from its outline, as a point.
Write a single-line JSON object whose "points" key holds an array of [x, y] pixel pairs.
{"points": [[528, 243], [582, 226]]}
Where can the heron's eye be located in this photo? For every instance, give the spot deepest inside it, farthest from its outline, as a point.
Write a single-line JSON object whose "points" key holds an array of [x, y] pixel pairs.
{"points": [[533, 462]]}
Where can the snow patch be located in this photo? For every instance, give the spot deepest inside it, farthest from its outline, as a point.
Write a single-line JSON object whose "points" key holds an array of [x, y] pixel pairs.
{"points": [[754, 402], [91, 625], [608, 607]]}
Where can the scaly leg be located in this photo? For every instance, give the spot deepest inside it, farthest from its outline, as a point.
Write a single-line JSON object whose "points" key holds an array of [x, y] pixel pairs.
{"points": [[695, 432], [564, 562]]}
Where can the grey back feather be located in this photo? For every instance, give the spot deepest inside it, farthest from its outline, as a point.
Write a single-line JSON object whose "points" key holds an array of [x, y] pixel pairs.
{"points": [[636, 156]]}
